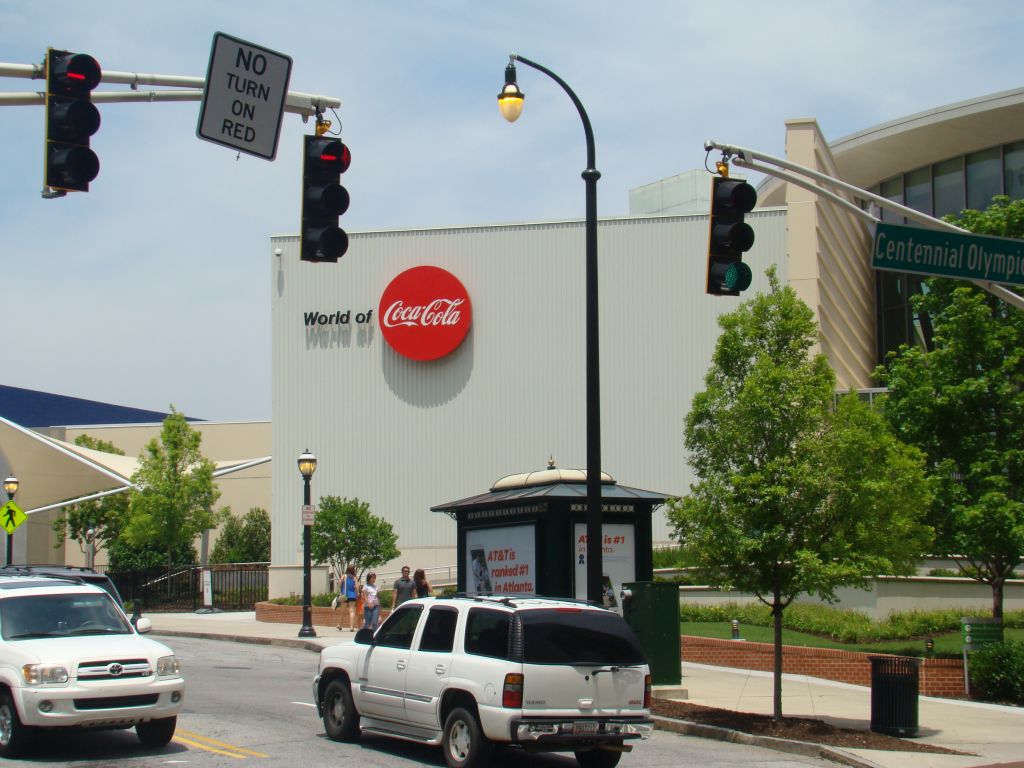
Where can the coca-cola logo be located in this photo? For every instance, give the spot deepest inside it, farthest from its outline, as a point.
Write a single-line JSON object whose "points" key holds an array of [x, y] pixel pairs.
{"points": [[424, 313]]}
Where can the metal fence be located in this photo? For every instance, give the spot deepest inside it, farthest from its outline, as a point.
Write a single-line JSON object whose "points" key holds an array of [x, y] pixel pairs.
{"points": [[236, 587]]}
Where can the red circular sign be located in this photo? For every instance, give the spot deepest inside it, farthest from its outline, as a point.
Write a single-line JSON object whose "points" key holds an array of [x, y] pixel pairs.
{"points": [[424, 313]]}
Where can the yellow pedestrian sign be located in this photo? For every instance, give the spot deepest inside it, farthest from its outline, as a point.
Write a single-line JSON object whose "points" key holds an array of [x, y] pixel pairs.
{"points": [[11, 516]]}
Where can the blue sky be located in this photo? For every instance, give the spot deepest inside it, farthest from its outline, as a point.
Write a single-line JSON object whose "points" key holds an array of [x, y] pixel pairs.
{"points": [[153, 288]]}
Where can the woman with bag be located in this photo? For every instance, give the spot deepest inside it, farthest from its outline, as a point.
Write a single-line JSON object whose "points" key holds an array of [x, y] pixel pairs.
{"points": [[348, 591]]}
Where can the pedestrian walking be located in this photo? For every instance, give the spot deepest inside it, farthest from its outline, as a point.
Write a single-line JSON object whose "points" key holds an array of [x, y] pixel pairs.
{"points": [[348, 594]]}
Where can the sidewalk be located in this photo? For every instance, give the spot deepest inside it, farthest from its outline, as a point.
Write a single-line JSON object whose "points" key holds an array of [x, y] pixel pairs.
{"points": [[993, 734]]}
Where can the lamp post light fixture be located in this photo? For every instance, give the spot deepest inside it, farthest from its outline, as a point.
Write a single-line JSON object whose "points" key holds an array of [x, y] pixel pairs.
{"points": [[307, 466], [11, 486], [510, 102]]}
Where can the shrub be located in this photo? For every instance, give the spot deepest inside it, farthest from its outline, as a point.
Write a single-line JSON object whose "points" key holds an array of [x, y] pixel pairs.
{"points": [[846, 626], [997, 672]]}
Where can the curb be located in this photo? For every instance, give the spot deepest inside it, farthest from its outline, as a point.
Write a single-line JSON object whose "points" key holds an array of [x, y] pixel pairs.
{"points": [[279, 641], [803, 748]]}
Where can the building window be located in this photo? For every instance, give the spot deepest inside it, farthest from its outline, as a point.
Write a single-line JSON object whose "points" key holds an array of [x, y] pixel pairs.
{"points": [[892, 190], [984, 178], [948, 186], [917, 189], [1013, 174]]}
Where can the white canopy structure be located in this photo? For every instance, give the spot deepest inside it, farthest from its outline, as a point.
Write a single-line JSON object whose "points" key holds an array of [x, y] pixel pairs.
{"points": [[53, 473]]}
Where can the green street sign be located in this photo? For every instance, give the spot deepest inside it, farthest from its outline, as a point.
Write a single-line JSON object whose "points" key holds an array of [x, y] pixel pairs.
{"points": [[978, 631], [11, 516], [948, 254]]}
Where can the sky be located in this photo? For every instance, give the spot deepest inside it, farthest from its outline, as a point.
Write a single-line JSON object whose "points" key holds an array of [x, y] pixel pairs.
{"points": [[153, 289]]}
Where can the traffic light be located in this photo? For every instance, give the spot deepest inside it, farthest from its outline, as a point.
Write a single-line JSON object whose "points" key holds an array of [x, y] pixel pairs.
{"points": [[71, 118], [729, 236], [323, 199]]}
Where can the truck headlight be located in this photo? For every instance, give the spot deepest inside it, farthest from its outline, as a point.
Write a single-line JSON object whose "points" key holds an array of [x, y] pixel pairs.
{"points": [[168, 665], [44, 674]]}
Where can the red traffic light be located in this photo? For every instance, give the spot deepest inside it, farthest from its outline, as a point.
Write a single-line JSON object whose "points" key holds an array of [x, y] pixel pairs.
{"points": [[73, 73], [328, 155]]}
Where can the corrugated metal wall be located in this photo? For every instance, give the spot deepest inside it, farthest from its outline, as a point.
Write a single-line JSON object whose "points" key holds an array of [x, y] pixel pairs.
{"points": [[404, 435]]}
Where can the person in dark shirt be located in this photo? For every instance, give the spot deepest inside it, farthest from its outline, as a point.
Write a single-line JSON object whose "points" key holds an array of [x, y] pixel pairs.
{"points": [[423, 588], [404, 588]]}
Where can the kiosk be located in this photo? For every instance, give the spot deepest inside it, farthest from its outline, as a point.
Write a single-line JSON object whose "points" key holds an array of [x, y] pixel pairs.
{"points": [[528, 535]]}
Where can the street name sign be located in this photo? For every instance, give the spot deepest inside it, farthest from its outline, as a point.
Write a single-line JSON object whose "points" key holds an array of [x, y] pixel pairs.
{"points": [[948, 254], [11, 516], [244, 97]]}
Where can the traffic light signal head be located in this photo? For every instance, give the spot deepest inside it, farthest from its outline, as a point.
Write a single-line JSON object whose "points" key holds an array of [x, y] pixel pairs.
{"points": [[729, 236], [71, 118], [323, 199]]}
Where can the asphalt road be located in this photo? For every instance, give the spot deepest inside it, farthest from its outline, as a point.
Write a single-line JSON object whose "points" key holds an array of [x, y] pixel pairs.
{"points": [[251, 705]]}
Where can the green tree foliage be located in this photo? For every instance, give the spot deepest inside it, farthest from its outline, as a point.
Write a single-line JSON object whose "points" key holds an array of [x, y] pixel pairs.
{"points": [[124, 556], [105, 517], [173, 500], [347, 533], [962, 403], [792, 495], [244, 539]]}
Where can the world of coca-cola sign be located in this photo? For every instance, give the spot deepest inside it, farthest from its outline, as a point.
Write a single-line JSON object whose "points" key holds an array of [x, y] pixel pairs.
{"points": [[424, 313]]}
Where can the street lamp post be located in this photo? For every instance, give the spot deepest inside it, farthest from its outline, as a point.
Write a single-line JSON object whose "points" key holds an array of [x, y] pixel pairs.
{"points": [[307, 466], [11, 486], [510, 101]]}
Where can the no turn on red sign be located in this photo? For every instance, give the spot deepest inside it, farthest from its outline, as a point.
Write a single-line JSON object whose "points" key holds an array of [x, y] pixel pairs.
{"points": [[244, 97]]}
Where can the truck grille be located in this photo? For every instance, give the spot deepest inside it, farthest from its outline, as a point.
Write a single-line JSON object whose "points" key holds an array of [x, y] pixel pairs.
{"points": [[117, 702], [114, 669]]}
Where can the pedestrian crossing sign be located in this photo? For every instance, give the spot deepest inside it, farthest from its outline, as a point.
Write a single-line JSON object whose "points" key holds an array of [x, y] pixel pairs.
{"points": [[11, 516]]}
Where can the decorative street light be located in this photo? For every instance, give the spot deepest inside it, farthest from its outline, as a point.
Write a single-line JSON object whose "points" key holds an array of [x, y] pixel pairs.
{"points": [[11, 486], [510, 101], [307, 466]]}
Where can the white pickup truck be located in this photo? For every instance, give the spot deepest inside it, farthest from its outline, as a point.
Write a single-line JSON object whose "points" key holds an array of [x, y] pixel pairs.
{"points": [[470, 673], [69, 657]]}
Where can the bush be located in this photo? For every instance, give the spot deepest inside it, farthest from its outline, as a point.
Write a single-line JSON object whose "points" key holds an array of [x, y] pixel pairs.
{"points": [[846, 626], [997, 672]]}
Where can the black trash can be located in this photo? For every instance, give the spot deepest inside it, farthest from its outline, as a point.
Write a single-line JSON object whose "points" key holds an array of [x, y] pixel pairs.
{"points": [[894, 688]]}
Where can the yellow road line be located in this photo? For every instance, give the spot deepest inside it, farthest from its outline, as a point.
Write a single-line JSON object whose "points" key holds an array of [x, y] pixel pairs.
{"points": [[211, 745]]}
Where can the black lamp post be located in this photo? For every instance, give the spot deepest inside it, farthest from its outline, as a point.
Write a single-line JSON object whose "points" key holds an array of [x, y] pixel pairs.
{"points": [[307, 466], [510, 101], [11, 486]]}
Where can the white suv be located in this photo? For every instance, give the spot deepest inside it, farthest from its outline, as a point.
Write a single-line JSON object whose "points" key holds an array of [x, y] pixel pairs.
{"points": [[469, 673], [70, 657]]}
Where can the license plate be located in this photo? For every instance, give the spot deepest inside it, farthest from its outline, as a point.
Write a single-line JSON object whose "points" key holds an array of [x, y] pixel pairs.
{"points": [[584, 728]]}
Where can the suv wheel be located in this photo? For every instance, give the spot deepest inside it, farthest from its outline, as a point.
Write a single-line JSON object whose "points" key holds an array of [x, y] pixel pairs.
{"points": [[156, 733], [465, 745], [598, 758], [341, 721], [14, 737]]}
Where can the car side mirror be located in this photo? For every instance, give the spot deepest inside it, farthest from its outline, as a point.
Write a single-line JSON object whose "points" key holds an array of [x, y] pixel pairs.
{"points": [[143, 625], [364, 636]]}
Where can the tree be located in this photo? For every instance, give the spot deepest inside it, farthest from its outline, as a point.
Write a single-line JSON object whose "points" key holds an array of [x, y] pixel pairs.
{"points": [[962, 403], [244, 539], [105, 517], [346, 533], [174, 493], [793, 495]]}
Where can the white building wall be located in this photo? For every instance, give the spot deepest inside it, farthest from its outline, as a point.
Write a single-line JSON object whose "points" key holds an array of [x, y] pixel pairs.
{"points": [[404, 435]]}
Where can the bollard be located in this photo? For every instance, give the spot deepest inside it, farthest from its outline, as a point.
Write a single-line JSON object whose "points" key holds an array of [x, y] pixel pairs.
{"points": [[735, 629]]}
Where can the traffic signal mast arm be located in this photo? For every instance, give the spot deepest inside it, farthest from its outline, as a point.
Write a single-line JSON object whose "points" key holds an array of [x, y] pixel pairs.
{"points": [[749, 158], [305, 104]]}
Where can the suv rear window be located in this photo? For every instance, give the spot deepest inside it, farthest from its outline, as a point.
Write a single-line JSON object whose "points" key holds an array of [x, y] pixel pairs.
{"points": [[572, 636], [487, 632]]}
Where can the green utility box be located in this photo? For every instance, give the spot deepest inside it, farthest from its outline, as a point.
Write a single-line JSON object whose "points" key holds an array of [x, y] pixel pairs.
{"points": [[651, 608]]}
